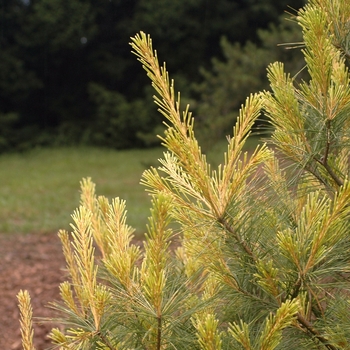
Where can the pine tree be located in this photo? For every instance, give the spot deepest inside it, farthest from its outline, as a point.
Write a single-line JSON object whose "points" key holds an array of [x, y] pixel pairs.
{"points": [[263, 261]]}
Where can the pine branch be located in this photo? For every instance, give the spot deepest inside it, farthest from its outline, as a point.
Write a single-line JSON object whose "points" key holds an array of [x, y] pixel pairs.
{"points": [[330, 171], [319, 177], [309, 327], [243, 245], [323, 161], [105, 341], [328, 142], [296, 288], [159, 332]]}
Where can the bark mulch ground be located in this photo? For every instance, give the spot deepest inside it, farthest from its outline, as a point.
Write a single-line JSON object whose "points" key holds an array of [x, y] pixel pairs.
{"points": [[33, 262]]}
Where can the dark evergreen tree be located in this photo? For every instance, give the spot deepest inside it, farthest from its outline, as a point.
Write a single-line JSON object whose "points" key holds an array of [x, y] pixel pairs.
{"points": [[17, 80], [63, 61], [243, 69]]}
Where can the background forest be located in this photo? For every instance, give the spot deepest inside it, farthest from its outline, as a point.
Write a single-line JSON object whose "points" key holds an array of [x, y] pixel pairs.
{"points": [[67, 76]]}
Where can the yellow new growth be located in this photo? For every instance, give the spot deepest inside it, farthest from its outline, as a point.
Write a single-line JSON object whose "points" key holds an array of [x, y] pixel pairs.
{"points": [[26, 313], [207, 332]]}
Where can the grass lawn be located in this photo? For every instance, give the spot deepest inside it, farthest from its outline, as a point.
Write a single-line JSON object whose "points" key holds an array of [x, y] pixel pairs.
{"points": [[40, 189]]}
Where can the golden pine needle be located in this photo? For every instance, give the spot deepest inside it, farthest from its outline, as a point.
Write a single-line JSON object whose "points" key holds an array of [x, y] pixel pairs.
{"points": [[26, 314]]}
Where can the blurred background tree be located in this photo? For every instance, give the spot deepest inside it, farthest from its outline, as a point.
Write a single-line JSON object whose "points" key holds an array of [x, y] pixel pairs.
{"points": [[67, 75], [242, 71]]}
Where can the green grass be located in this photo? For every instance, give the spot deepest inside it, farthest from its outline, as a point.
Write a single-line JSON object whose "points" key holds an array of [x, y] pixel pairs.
{"points": [[39, 190]]}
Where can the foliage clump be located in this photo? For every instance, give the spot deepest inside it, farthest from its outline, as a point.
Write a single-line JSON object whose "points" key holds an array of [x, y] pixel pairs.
{"points": [[263, 255]]}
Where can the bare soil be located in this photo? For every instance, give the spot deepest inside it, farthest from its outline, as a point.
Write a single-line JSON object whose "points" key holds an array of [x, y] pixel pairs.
{"points": [[33, 262]]}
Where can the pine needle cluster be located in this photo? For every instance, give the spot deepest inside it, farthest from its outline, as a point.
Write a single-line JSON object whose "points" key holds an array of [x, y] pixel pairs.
{"points": [[263, 256]]}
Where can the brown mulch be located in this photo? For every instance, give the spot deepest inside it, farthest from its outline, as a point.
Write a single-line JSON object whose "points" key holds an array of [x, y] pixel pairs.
{"points": [[33, 262]]}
